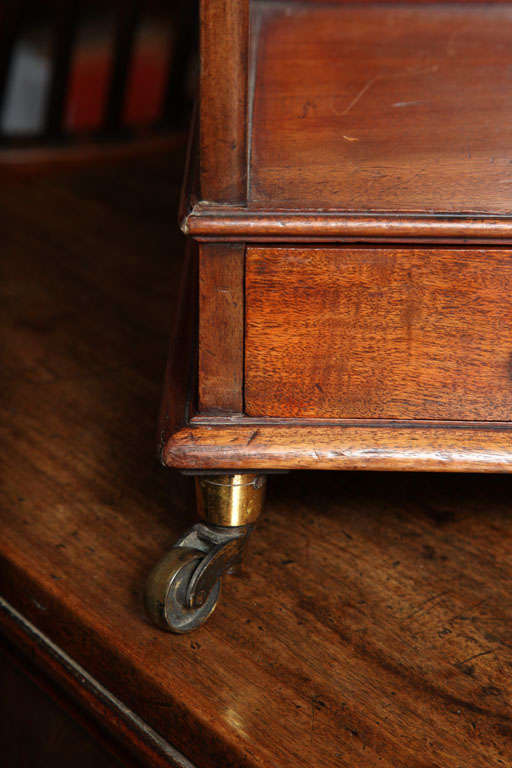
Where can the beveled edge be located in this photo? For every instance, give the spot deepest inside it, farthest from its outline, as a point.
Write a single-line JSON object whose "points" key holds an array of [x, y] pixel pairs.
{"points": [[209, 220], [454, 447], [97, 701]]}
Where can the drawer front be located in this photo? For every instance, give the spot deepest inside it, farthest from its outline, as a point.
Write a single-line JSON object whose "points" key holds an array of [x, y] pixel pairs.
{"points": [[344, 332]]}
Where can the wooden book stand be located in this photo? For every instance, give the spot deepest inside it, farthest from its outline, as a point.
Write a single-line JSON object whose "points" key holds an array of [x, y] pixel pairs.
{"points": [[348, 203]]}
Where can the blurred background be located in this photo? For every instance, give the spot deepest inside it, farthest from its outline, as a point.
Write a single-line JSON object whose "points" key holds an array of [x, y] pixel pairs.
{"points": [[74, 71]]}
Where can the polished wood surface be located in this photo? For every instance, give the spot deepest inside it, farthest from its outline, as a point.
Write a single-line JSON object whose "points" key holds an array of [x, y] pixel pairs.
{"points": [[205, 221], [224, 54], [221, 328], [383, 108], [383, 126], [177, 403], [373, 122], [371, 627], [383, 122], [244, 443], [379, 333], [37, 729]]}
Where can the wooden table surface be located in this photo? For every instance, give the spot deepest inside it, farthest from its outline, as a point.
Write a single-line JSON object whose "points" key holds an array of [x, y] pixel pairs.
{"points": [[372, 626]]}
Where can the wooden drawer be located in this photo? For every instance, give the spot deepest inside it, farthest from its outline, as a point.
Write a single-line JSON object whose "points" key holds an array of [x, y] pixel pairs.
{"points": [[409, 333]]}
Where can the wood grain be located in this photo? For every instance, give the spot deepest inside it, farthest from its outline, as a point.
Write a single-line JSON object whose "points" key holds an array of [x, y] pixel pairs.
{"points": [[356, 445], [371, 628], [180, 374], [379, 333], [231, 222], [70, 701], [36, 726], [221, 327], [383, 108], [224, 46]]}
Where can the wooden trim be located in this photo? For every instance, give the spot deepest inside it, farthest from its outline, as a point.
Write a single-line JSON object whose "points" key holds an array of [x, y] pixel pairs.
{"points": [[126, 726], [221, 328], [224, 46], [206, 221], [180, 374], [442, 448], [50, 693], [190, 182]]}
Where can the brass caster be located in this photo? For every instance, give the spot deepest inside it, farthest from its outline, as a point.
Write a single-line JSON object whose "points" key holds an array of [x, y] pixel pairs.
{"points": [[183, 588]]}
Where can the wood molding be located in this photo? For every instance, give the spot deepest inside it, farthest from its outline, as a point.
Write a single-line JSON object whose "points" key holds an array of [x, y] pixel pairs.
{"points": [[441, 448], [207, 221], [99, 703]]}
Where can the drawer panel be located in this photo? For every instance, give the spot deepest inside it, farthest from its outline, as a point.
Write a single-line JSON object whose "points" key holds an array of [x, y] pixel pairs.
{"points": [[410, 333]]}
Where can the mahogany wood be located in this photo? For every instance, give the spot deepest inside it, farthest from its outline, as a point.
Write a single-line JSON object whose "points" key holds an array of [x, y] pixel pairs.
{"points": [[38, 727], [369, 121], [383, 108], [221, 327], [368, 124], [379, 333], [71, 703], [180, 373], [224, 47], [371, 628], [297, 444], [206, 222]]}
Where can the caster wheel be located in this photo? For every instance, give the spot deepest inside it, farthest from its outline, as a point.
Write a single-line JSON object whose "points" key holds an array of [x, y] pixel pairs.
{"points": [[183, 588], [165, 596]]}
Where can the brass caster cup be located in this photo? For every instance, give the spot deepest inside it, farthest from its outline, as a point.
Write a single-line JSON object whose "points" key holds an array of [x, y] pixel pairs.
{"points": [[230, 500]]}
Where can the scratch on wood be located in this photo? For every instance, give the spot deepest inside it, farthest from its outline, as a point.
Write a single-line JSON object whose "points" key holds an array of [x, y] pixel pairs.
{"points": [[430, 602], [406, 103], [253, 436], [371, 83], [466, 615], [361, 93], [475, 656]]}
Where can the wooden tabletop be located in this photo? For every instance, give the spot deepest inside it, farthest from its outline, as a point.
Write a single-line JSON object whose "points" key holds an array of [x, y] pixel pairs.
{"points": [[372, 625]]}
